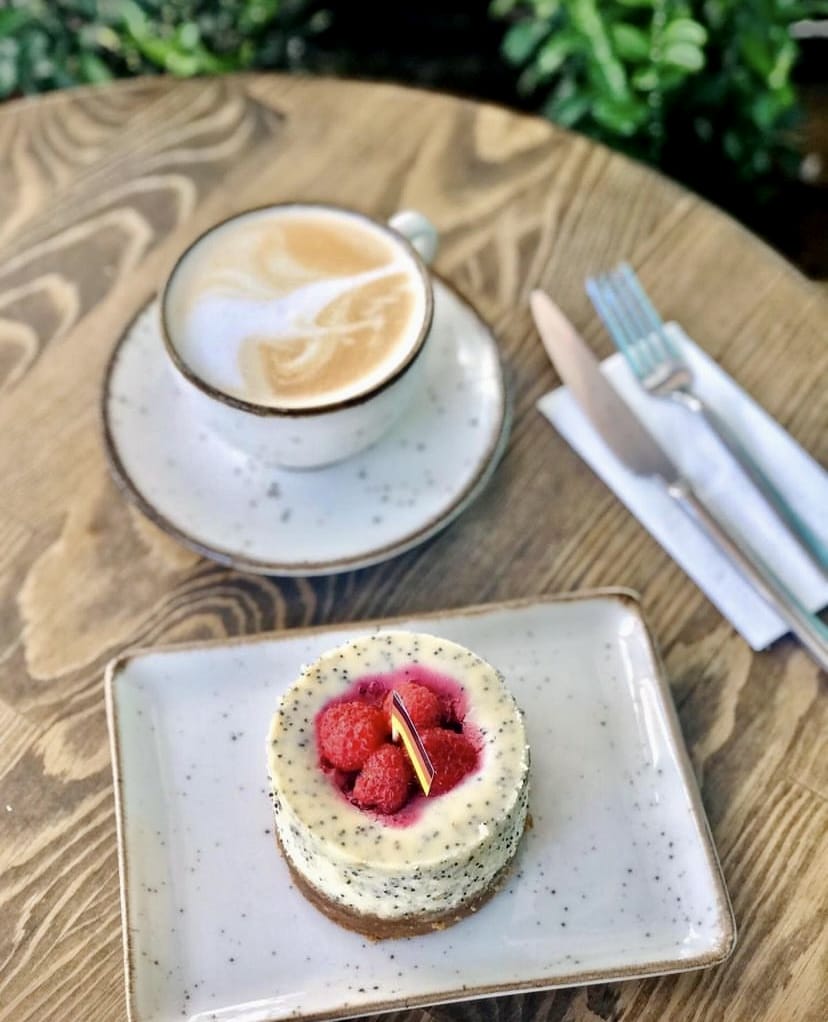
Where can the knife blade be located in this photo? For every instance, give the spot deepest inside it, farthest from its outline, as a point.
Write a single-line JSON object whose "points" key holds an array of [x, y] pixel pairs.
{"points": [[619, 426], [634, 445]]}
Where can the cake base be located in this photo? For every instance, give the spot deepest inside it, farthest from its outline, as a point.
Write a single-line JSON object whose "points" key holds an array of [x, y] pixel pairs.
{"points": [[378, 928]]}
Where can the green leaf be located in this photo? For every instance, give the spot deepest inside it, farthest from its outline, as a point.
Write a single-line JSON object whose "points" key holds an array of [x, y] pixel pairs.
{"points": [[528, 80], [606, 71], [100, 37], [683, 55], [500, 8], [716, 13], [781, 69], [786, 98], [521, 41], [756, 53], [646, 79], [157, 51], [165, 54], [670, 78], [542, 10], [587, 18], [8, 75], [93, 69], [622, 118], [183, 65], [554, 53], [684, 30], [133, 18], [258, 13], [630, 43], [608, 77], [188, 35], [547, 8], [11, 20], [567, 111], [764, 110], [769, 107]]}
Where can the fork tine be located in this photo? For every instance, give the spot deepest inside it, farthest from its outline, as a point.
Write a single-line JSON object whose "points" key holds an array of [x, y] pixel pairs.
{"points": [[595, 288], [642, 330], [648, 309], [635, 331]]}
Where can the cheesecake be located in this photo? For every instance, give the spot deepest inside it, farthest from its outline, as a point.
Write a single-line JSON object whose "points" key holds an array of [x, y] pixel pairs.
{"points": [[369, 840]]}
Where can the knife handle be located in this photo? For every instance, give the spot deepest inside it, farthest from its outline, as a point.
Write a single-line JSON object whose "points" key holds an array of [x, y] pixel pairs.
{"points": [[807, 627], [805, 536]]}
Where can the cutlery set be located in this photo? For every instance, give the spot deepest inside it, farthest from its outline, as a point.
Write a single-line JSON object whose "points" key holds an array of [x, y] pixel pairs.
{"points": [[658, 365]]}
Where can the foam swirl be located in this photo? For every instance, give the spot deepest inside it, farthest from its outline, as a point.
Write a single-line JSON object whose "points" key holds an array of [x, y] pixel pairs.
{"points": [[295, 307]]}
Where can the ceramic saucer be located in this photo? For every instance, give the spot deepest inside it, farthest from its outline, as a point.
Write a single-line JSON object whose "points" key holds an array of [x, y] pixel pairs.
{"points": [[237, 511]]}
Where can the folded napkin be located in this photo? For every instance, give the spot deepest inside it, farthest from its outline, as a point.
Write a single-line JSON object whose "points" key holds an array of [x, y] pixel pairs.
{"points": [[718, 480]]}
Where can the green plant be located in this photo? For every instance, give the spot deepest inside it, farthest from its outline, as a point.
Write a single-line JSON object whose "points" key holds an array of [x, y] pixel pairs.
{"points": [[701, 88], [54, 43], [666, 80]]}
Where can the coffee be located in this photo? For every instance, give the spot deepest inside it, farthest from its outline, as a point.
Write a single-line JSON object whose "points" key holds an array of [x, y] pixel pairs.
{"points": [[296, 307]]}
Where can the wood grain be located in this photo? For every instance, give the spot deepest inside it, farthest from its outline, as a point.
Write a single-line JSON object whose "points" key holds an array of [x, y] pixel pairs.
{"points": [[99, 191]]}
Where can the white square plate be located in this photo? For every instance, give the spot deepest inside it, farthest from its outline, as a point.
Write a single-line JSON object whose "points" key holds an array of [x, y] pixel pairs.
{"points": [[617, 877]]}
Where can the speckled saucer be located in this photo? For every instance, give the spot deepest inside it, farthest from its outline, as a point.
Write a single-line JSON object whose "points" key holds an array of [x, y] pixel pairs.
{"points": [[373, 506]]}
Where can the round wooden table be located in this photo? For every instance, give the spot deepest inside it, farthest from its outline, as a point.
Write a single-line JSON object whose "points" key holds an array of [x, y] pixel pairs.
{"points": [[100, 189]]}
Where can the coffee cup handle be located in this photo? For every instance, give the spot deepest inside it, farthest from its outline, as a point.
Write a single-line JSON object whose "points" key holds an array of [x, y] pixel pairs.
{"points": [[419, 231]]}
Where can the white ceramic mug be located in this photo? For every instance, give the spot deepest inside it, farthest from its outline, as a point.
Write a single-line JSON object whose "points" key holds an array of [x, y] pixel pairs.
{"points": [[320, 434]]}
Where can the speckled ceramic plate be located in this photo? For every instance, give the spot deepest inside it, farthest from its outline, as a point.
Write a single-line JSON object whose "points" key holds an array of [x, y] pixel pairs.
{"points": [[373, 506], [617, 878]]}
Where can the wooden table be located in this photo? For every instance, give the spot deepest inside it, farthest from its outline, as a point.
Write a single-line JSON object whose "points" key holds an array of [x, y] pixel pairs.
{"points": [[99, 191]]}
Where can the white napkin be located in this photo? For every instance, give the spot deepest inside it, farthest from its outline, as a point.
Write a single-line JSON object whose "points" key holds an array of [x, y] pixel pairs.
{"points": [[718, 480]]}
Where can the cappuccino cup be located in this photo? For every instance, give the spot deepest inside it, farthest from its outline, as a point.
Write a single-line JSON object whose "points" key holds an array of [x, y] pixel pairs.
{"points": [[298, 331]]}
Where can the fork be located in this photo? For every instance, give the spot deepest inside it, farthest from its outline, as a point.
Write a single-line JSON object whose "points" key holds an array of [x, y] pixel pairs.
{"points": [[639, 334]]}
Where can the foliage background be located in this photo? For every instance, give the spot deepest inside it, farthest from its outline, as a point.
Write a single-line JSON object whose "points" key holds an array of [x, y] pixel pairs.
{"points": [[704, 89]]}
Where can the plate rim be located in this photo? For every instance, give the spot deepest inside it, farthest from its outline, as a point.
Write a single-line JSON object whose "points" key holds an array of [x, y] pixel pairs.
{"points": [[630, 600], [475, 485]]}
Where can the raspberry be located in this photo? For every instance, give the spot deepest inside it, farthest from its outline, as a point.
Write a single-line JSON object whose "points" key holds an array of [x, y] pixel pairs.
{"points": [[424, 707], [384, 781], [347, 734], [452, 755]]}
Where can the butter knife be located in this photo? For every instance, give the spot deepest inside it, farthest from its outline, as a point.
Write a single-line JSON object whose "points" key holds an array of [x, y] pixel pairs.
{"points": [[635, 446]]}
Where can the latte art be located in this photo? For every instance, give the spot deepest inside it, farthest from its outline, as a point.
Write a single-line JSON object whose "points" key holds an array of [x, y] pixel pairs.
{"points": [[296, 307]]}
